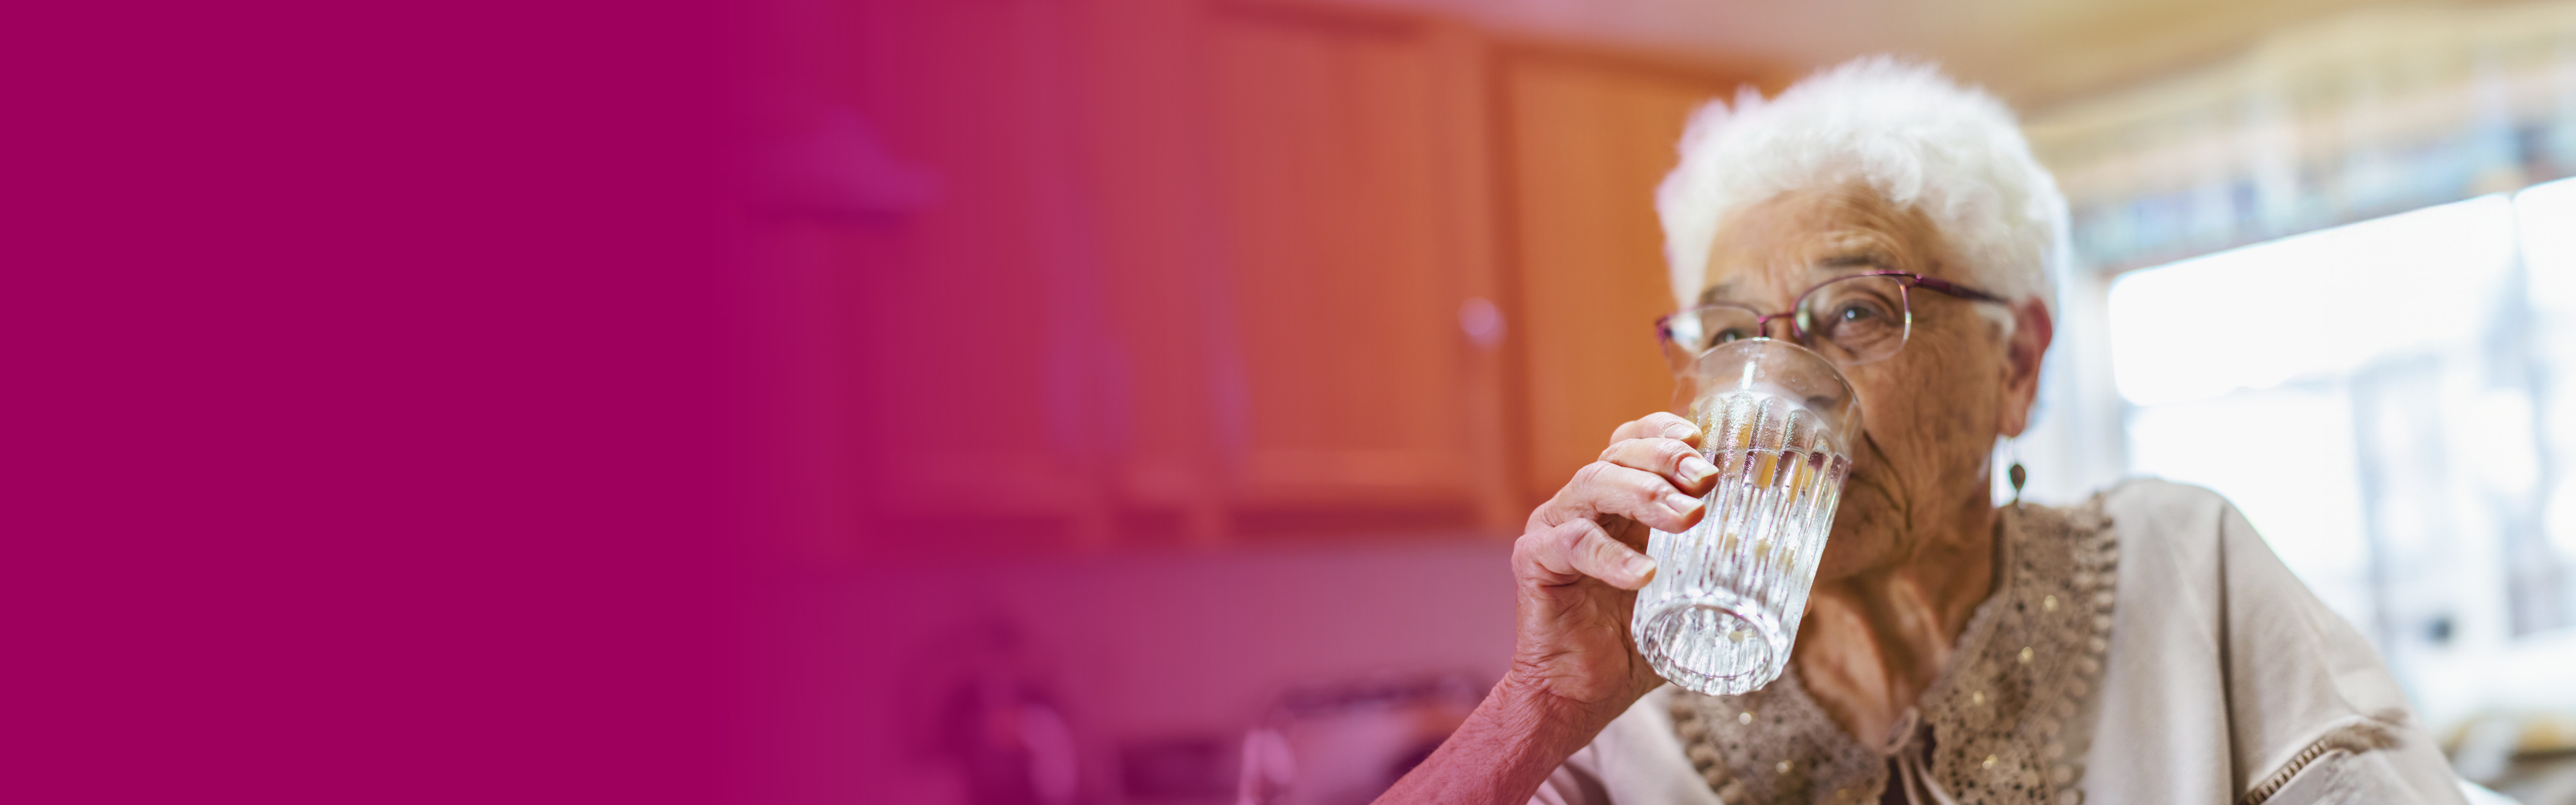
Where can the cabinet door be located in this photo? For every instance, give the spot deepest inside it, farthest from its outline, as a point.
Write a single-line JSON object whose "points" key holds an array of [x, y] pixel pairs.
{"points": [[1343, 367], [1588, 141], [969, 399]]}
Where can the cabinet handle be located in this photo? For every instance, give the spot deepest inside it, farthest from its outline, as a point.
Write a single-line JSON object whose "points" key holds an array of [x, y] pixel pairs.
{"points": [[1481, 321]]}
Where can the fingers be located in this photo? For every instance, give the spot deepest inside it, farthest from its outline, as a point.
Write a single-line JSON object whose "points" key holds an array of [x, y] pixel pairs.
{"points": [[1605, 488], [1657, 425], [1567, 553], [1674, 459]]}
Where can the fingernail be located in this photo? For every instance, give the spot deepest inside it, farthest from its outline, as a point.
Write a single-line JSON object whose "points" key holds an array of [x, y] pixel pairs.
{"points": [[1640, 567], [1679, 430], [1681, 502], [1696, 469]]}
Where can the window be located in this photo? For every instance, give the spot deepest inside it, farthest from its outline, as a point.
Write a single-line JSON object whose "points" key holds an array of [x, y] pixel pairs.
{"points": [[2392, 403]]}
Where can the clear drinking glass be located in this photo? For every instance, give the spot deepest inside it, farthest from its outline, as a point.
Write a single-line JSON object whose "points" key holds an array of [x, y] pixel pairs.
{"points": [[1723, 608]]}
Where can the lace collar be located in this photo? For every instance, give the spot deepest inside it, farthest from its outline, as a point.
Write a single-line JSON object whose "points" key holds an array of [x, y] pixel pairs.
{"points": [[2010, 717]]}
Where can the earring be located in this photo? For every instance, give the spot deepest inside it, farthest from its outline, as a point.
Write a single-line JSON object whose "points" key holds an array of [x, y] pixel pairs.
{"points": [[2016, 475]]}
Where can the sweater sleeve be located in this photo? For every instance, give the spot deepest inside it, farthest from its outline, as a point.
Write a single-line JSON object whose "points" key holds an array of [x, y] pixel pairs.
{"points": [[2228, 681], [2308, 696], [1637, 760]]}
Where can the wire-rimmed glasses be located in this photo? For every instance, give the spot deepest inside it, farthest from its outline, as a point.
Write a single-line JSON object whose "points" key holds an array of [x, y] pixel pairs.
{"points": [[1849, 320]]}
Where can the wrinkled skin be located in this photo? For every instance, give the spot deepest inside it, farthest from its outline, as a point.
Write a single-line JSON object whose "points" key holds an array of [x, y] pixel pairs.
{"points": [[1913, 545], [1912, 551]]}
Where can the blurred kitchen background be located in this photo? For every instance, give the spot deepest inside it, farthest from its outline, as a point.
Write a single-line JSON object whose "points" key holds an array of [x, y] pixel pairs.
{"points": [[1183, 368]]}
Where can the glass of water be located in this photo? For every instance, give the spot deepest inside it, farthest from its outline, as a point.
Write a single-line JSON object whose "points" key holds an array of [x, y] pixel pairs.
{"points": [[1723, 608]]}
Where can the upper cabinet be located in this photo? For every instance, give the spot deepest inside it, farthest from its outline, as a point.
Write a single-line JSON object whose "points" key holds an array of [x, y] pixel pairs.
{"points": [[1589, 139], [1341, 352], [959, 355], [1216, 271]]}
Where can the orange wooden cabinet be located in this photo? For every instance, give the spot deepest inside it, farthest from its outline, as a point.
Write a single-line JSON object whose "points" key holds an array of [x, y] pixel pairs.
{"points": [[1588, 139], [963, 354], [1345, 230], [1198, 269]]}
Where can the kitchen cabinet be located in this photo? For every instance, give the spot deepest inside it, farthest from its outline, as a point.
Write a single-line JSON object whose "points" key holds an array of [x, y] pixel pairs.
{"points": [[1202, 273], [1589, 139]]}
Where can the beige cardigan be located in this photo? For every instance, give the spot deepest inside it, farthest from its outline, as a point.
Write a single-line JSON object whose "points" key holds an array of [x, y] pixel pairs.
{"points": [[2146, 647]]}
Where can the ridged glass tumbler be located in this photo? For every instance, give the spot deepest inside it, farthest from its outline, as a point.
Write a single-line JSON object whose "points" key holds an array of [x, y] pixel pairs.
{"points": [[1723, 609]]}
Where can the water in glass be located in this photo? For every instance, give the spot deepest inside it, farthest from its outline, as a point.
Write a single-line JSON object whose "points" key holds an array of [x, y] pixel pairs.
{"points": [[1724, 605]]}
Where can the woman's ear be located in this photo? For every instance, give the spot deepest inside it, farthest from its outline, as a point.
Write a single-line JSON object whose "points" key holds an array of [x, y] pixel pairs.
{"points": [[2032, 330]]}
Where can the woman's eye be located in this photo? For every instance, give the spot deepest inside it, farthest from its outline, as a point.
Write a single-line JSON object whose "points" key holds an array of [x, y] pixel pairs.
{"points": [[1724, 336], [1857, 312]]}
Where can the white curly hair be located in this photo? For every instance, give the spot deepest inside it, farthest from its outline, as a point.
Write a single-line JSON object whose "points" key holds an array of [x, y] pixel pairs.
{"points": [[1903, 129]]}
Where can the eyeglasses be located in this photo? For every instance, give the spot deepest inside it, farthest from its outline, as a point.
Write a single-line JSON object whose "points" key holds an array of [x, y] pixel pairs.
{"points": [[1850, 320]]}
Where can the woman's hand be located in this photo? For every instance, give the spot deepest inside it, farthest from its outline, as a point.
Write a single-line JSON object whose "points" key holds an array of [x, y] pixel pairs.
{"points": [[1581, 559], [1578, 566]]}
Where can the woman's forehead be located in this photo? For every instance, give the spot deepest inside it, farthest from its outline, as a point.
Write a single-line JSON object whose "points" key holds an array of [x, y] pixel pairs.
{"points": [[1807, 236]]}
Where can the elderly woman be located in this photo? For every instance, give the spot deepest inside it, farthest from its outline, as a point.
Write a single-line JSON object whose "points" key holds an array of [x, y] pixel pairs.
{"points": [[2144, 646]]}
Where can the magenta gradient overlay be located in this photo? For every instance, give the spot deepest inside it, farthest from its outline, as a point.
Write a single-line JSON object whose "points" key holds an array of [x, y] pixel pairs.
{"points": [[914, 339], [419, 403], [367, 391]]}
